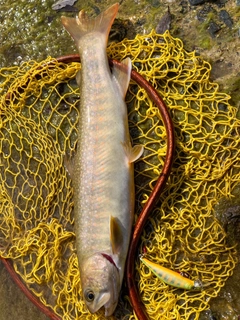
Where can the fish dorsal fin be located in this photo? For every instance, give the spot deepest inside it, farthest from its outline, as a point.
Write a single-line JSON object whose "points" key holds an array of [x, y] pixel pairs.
{"points": [[133, 153], [122, 74], [116, 236]]}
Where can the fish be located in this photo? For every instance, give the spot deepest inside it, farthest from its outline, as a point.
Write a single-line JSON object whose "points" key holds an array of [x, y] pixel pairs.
{"points": [[103, 179]]}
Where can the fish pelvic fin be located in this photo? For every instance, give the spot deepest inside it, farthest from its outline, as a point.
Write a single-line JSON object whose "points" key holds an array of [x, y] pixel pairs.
{"points": [[82, 24]]}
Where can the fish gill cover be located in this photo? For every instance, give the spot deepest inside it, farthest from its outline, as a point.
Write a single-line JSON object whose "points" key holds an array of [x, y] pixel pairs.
{"points": [[39, 113]]}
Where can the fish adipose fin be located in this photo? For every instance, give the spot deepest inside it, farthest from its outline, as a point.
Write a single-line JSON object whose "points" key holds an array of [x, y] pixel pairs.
{"points": [[122, 74], [82, 24], [133, 153], [116, 235]]}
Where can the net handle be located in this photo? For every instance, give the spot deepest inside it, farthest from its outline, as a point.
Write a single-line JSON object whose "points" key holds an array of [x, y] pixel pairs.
{"points": [[137, 305]]}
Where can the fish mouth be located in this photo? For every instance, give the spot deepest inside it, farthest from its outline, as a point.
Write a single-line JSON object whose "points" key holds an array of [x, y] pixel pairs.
{"points": [[104, 302], [98, 304]]}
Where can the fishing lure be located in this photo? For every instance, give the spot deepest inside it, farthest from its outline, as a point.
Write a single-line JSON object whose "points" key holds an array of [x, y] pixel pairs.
{"points": [[171, 277]]}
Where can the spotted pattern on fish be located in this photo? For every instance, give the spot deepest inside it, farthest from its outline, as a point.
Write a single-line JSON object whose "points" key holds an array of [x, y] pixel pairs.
{"points": [[103, 172]]}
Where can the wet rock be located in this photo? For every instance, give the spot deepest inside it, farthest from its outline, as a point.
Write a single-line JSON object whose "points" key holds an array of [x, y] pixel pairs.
{"points": [[13, 303], [164, 23], [225, 17], [220, 68], [222, 107], [196, 2], [68, 8], [209, 315], [121, 29], [203, 13], [63, 3], [231, 220], [184, 6], [213, 28], [219, 3]]}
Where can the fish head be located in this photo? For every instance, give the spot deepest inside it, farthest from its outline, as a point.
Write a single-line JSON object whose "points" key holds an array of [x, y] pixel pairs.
{"points": [[100, 283]]}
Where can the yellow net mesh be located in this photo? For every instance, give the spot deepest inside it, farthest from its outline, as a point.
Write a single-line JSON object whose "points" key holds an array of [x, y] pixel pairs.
{"points": [[39, 113]]}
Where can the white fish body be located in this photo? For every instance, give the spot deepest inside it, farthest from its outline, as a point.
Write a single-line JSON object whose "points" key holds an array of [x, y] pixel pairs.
{"points": [[103, 165]]}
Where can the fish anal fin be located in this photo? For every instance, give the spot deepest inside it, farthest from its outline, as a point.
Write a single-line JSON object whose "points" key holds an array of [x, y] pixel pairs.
{"points": [[122, 74], [116, 236], [133, 153]]}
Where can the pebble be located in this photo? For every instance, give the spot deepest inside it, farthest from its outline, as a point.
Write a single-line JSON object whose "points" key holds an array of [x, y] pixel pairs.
{"points": [[62, 3], [164, 23], [203, 13], [213, 28], [225, 17], [196, 2]]}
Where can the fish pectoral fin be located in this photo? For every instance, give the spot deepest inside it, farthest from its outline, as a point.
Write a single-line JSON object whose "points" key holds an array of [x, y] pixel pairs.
{"points": [[122, 74], [133, 153], [116, 235]]}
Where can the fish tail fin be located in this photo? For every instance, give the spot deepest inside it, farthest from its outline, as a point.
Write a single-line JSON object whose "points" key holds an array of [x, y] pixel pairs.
{"points": [[82, 25]]}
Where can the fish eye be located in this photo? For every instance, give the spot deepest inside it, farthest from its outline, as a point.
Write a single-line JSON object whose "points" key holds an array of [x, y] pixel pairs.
{"points": [[89, 295]]}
